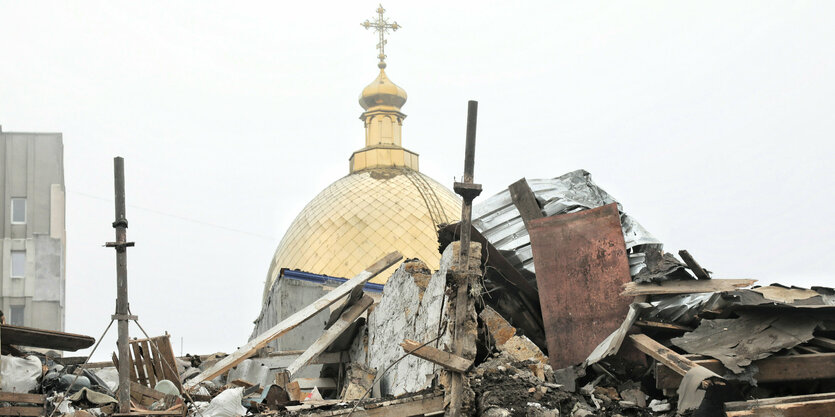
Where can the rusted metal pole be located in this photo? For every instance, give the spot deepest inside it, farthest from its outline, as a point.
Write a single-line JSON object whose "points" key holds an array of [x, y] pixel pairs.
{"points": [[468, 192], [121, 244]]}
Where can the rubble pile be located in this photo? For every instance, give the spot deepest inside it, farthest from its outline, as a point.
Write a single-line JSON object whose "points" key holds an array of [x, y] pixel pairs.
{"points": [[561, 306]]}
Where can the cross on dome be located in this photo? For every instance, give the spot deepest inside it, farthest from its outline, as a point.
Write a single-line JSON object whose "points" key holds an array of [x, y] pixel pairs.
{"points": [[381, 25]]}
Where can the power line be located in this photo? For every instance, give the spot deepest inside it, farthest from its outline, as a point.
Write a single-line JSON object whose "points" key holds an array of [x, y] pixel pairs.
{"points": [[178, 217]]}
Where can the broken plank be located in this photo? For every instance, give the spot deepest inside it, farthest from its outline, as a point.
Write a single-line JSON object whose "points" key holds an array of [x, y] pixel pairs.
{"points": [[331, 334], [771, 369], [693, 265], [794, 406], [685, 287], [525, 201], [437, 356], [678, 363], [293, 321]]}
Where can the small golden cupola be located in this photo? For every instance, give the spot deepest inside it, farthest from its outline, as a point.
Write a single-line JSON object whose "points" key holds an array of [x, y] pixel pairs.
{"points": [[382, 101]]}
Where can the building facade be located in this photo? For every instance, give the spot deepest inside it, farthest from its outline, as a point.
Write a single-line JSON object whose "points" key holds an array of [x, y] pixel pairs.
{"points": [[32, 231]]}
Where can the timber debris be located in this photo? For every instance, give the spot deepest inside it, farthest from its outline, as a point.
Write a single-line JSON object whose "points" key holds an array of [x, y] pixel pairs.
{"points": [[550, 301]]}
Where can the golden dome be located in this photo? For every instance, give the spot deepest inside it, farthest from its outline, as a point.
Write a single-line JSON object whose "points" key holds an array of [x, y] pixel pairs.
{"points": [[364, 216], [382, 92]]}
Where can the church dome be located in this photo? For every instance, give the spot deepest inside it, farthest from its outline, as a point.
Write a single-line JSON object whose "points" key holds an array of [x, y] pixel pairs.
{"points": [[382, 92], [384, 204], [364, 216]]}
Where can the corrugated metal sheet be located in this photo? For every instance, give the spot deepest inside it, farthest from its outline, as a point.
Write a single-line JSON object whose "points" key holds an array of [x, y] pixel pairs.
{"points": [[499, 221]]}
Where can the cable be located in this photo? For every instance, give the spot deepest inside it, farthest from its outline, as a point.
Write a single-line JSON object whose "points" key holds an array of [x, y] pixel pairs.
{"points": [[82, 367], [188, 219]]}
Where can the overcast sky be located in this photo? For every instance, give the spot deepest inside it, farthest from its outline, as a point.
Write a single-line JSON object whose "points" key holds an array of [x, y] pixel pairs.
{"points": [[711, 122]]}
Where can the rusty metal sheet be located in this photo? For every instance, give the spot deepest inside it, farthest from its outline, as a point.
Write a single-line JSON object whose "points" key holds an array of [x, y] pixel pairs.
{"points": [[581, 264]]}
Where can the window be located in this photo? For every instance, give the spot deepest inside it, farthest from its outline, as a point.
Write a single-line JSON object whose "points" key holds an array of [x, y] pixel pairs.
{"points": [[18, 210], [16, 318], [18, 264]]}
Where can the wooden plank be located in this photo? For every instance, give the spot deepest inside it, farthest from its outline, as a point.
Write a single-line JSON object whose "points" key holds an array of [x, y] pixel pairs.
{"points": [[41, 338], [132, 368], [793, 409], [15, 397], [145, 391], [662, 326], [437, 356], [685, 287], [694, 266], [331, 334], [143, 395], [21, 411], [294, 391], [309, 383], [771, 369], [678, 363], [169, 363], [157, 361], [823, 342], [525, 201], [746, 405], [139, 364], [149, 413], [294, 320], [149, 364]]}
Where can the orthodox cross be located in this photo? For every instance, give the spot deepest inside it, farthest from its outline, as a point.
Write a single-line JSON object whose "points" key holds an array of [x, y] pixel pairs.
{"points": [[381, 25]]}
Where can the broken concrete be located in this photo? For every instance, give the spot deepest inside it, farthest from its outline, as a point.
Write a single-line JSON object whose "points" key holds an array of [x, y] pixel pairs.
{"points": [[520, 348]]}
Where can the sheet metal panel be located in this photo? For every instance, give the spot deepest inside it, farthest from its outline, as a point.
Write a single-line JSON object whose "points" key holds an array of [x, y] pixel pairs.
{"points": [[581, 265]]}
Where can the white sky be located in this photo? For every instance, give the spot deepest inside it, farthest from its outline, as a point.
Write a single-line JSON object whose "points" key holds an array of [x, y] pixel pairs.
{"points": [[712, 122]]}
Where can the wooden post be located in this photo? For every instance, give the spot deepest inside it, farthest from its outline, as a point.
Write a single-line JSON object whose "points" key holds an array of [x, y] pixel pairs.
{"points": [[468, 191], [121, 244]]}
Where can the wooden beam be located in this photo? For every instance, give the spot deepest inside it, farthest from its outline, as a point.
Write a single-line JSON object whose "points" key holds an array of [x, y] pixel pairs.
{"points": [[685, 287], [823, 342], [21, 411], [331, 334], [293, 321], [525, 201], [14, 397], [693, 265], [436, 356], [771, 369], [793, 406], [678, 363]]}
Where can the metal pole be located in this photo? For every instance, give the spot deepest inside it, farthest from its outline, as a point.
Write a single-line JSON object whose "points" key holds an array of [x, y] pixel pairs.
{"points": [[121, 244], [468, 192]]}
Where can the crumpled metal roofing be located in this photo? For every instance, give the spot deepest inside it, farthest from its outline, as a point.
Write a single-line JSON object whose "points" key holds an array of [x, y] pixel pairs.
{"points": [[499, 221]]}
